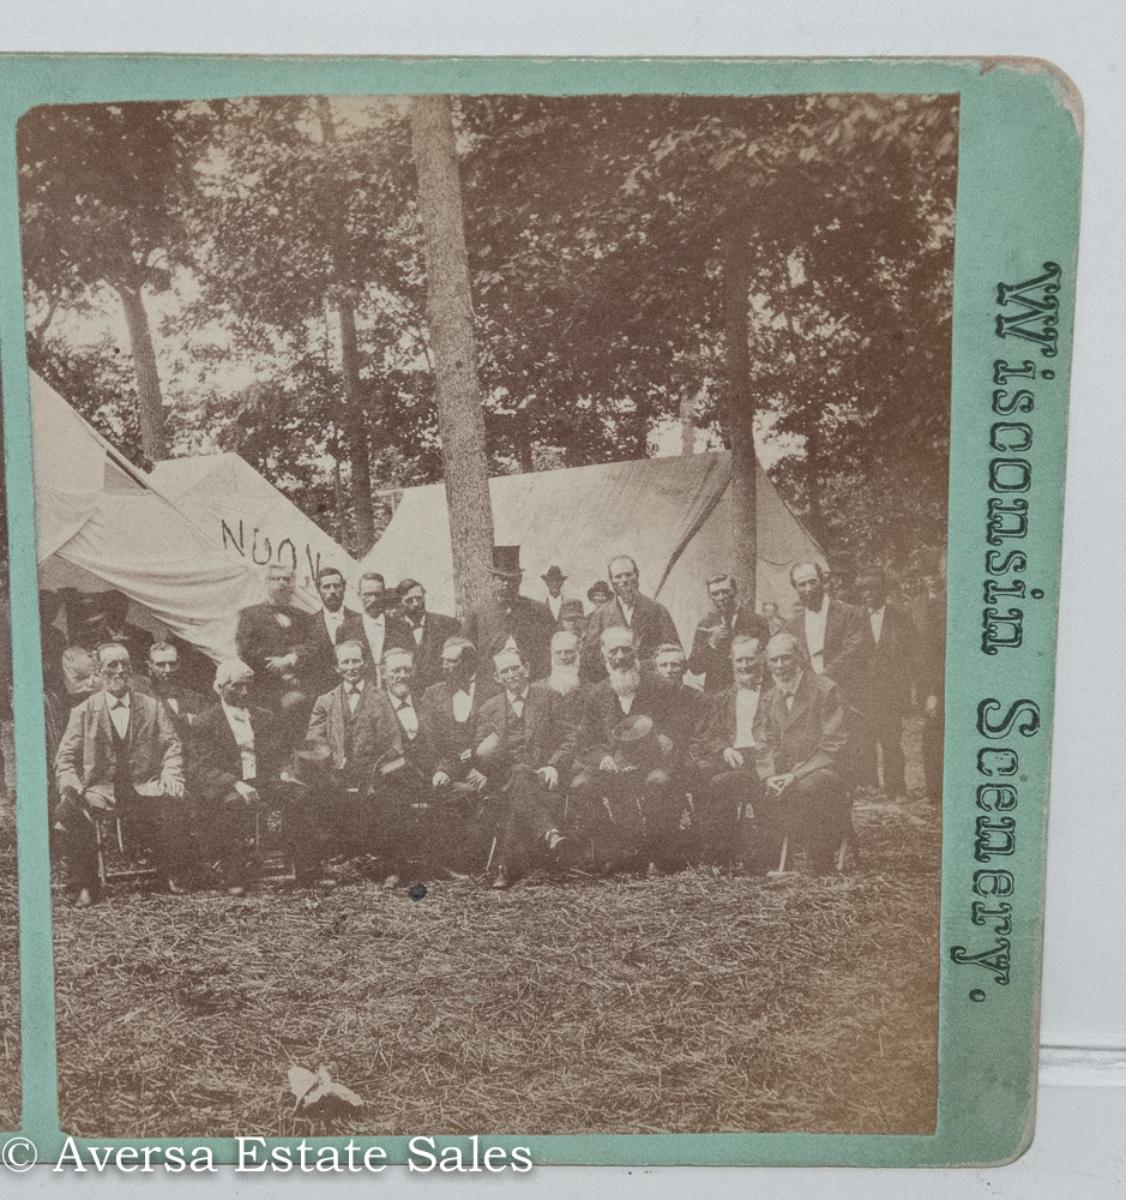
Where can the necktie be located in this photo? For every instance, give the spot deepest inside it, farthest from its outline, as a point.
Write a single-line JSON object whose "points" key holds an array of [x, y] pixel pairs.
{"points": [[408, 718]]}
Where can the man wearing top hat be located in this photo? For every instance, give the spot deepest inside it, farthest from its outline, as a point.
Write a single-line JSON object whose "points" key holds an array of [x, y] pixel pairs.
{"points": [[528, 623], [554, 579]]}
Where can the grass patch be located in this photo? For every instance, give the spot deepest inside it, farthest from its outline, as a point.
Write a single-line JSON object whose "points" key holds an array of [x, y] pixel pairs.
{"points": [[684, 1004]]}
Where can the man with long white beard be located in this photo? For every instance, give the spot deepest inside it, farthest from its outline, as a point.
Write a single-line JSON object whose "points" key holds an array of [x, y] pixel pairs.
{"points": [[799, 728], [564, 678], [627, 756]]}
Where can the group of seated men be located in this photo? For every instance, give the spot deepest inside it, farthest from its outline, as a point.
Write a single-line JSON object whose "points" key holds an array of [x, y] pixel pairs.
{"points": [[530, 732]]}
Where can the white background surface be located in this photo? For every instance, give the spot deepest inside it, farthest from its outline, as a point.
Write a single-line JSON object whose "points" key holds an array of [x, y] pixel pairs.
{"points": [[1085, 958]]}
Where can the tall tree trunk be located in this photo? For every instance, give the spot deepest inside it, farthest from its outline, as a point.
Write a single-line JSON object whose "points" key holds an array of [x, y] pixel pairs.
{"points": [[688, 403], [359, 450], [150, 403], [813, 473], [449, 311], [740, 412]]}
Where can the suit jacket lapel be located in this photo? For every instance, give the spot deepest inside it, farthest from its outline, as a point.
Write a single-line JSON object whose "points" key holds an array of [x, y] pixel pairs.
{"points": [[801, 700]]}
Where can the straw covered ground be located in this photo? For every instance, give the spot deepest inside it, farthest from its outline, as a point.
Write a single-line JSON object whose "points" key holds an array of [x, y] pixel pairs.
{"points": [[688, 1003], [9, 974]]}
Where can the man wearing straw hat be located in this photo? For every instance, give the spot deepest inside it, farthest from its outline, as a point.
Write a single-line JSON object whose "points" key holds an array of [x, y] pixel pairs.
{"points": [[509, 615]]}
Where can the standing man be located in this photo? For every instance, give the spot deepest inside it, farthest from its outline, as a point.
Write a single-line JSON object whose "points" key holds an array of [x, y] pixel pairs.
{"points": [[646, 619], [625, 755], [929, 613], [326, 627], [167, 686], [800, 726], [375, 629], [554, 579], [120, 753], [526, 745], [276, 642], [884, 694], [429, 632], [572, 618], [834, 636], [509, 615], [723, 758], [727, 619]]}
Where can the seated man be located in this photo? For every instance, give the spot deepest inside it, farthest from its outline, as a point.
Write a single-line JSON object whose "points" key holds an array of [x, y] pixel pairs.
{"points": [[525, 743], [634, 787], [564, 678], [120, 753], [403, 822], [723, 758], [238, 770], [351, 724], [800, 726], [686, 703]]}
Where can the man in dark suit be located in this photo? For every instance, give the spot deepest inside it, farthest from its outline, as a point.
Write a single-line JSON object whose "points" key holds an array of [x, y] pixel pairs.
{"points": [[429, 631], [834, 636], [686, 704], [325, 629], [406, 823], [526, 745], [448, 710], [634, 787], [728, 618], [509, 615], [240, 767], [375, 628], [166, 685], [276, 642], [646, 619], [723, 758], [800, 728], [884, 691], [120, 753]]}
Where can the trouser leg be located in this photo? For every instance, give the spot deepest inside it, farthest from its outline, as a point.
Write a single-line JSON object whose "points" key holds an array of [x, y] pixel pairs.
{"points": [[718, 806], [815, 810], [889, 735], [78, 842], [532, 812], [661, 807], [934, 729]]}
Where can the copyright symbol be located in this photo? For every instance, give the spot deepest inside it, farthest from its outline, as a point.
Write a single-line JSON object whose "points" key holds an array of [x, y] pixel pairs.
{"points": [[18, 1154]]}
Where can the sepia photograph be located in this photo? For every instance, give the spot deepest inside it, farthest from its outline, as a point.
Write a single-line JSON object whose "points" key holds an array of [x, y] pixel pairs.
{"points": [[492, 569]]}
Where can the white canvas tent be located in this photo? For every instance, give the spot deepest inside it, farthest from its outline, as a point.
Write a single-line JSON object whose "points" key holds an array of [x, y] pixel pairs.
{"points": [[100, 525], [673, 515], [242, 513]]}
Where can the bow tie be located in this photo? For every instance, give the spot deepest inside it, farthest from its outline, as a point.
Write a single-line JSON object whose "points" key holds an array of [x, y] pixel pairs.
{"points": [[354, 689], [401, 704], [240, 714]]}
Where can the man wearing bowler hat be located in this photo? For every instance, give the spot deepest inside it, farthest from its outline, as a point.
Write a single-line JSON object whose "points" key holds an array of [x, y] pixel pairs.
{"points": [[509, 615], [554, 579]]}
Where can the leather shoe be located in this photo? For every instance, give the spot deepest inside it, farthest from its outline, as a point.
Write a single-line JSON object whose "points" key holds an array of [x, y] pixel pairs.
{"points": [[84, 899], [503, 880]]}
